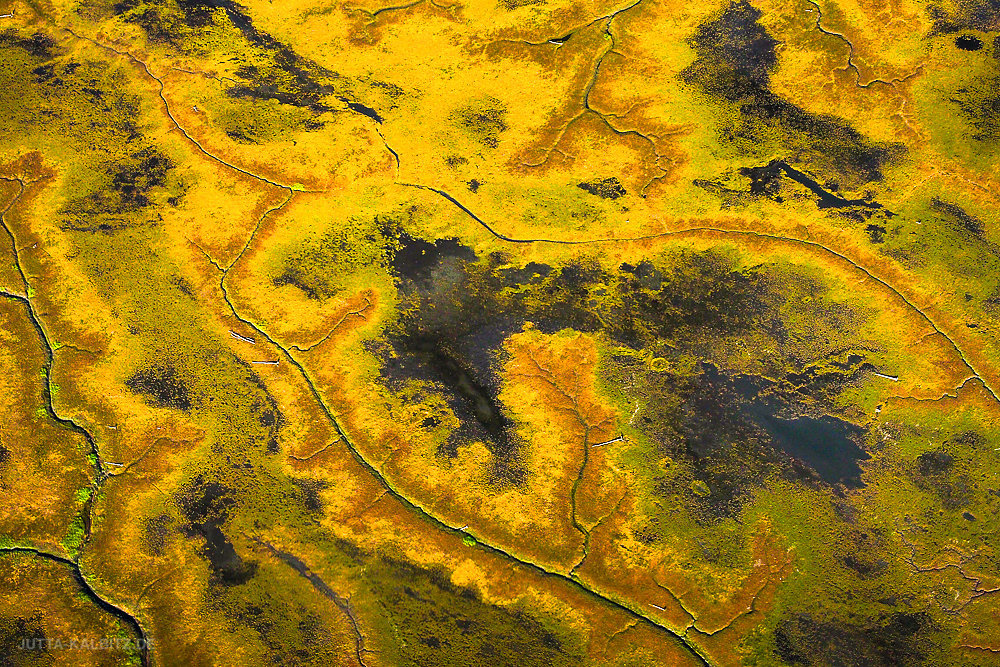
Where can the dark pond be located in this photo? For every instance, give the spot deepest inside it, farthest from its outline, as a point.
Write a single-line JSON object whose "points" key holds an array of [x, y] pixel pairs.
{"points": [[827, 444]]}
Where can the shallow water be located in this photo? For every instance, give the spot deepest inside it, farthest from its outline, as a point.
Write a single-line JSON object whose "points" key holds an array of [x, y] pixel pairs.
{"points": [[827, 444]]}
